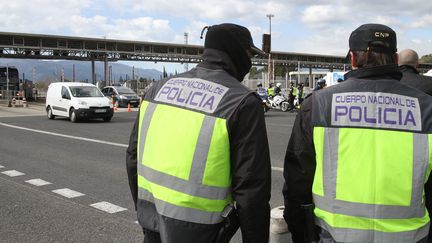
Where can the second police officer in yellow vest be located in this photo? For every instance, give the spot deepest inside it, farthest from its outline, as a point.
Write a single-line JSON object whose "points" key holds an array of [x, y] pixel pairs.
{"points": [[200, 145], [360, 151]]}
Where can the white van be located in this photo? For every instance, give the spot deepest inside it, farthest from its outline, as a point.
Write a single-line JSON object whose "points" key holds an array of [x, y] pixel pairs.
{"points": [[77, 101]]}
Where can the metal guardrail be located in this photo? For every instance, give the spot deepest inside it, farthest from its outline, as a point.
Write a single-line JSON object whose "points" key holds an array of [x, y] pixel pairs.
{"points": [[7, 94]]}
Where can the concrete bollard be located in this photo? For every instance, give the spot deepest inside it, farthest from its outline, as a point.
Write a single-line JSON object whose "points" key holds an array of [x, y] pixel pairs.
{"points": [[13, 102], [24, 102], [279, 232]]}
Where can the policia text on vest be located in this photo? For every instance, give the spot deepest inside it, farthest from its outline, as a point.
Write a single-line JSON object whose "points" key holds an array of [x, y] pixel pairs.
{"points": [[376, 109]]}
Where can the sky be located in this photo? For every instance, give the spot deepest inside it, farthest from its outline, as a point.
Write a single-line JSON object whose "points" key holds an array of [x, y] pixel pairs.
{"points": [[303, 26]]}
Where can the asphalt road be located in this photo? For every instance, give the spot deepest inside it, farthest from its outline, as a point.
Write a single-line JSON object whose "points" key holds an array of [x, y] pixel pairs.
{"points": [[86, 161]]}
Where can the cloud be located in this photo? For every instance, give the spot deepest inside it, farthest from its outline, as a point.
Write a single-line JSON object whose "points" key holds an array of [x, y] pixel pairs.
{"points": [[140, 29], [319, 15], [328, 42], [39, 15], [214, 9], [424, 21]]}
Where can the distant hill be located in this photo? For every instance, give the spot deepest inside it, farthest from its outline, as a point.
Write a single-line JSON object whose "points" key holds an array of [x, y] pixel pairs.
{"points": [[51, 70]]}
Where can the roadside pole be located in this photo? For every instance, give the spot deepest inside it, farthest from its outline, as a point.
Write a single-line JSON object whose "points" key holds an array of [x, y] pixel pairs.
{"points": [[7, 82]]}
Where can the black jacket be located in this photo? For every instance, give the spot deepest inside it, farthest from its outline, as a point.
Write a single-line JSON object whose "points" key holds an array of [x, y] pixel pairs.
{"points": [[299, 167], [412, 78], [250, 168]]}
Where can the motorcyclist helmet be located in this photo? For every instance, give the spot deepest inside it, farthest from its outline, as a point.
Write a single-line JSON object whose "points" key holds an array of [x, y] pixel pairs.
{"points": [[278, 85], [321, 81], [259, 84]]}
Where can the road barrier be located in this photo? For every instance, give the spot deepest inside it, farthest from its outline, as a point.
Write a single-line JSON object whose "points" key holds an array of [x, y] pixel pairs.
{"points": [[17, 102]]}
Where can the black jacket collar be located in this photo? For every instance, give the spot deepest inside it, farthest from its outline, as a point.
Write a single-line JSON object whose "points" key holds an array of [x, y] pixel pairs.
{"points": [[390, 71], [408, 69]]}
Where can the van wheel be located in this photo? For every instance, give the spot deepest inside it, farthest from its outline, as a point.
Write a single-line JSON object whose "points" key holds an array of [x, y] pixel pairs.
{"points": [[49, 113], [72, 115]]}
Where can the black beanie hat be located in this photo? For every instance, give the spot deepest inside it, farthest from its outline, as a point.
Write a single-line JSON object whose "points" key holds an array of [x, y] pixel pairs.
{"points": [[234, 40]]}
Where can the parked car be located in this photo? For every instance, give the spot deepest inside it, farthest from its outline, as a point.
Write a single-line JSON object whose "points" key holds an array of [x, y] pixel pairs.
{"points": [[78, 101], [122, 95]]}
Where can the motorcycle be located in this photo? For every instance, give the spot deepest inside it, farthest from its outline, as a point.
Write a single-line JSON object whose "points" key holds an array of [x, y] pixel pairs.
{"points": [[278, 102]]}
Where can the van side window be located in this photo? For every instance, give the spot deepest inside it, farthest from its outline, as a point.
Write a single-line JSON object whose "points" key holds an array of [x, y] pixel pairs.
{"points": [[65, 93]]}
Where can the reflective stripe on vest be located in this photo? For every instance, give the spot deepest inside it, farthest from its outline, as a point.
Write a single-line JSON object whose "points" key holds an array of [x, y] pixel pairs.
{"points": [[352, 202], [185, 172], [359, 235]]}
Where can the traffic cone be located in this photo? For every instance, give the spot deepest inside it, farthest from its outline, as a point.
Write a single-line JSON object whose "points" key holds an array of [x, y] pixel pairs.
{"points": [[129, 109], [114, 103]]}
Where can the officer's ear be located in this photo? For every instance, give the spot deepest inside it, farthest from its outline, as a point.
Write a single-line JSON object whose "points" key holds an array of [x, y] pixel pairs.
{"points": [[353, 60]]}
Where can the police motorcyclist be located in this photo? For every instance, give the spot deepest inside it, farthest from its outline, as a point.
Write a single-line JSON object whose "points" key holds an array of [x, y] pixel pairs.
{"points": [[261, 91], [278, 90], [199, 145], [341, 157], [321, 84]]}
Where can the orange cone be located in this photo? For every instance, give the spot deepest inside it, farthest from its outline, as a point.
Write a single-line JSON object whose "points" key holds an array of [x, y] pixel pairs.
{"points": [[129, 109], [114, 103]]}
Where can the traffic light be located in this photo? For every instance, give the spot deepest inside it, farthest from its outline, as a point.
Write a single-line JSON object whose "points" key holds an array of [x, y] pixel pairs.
{"points": [[266, 43]]}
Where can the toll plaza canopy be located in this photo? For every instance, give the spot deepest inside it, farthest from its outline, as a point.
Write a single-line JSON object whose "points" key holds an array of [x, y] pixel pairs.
{"points": [[38, 46]]}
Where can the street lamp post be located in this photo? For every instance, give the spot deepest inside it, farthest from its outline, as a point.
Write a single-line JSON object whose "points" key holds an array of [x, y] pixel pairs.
{"points": [[270, 16], [269, 73]]}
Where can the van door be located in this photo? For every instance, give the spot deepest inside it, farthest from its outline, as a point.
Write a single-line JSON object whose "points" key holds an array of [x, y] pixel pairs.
{"points": [[64, 102]]}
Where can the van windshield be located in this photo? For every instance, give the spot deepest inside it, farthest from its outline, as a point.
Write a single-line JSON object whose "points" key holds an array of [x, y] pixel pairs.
{"points": [[85, 91]]}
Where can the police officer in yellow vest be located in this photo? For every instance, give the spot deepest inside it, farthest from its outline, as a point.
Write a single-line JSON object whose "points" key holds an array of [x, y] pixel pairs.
{"points": [[271, 90], [293, 92], [360, 152], [199, 145]]}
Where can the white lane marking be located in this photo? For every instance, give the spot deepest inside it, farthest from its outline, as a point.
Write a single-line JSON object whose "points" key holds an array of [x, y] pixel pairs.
{"points": [[85, 139], [65, 136], [277, 169], [12, 173], [1, 166], [66, 192], [278, 124], [107, 207], [38, 182]]}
